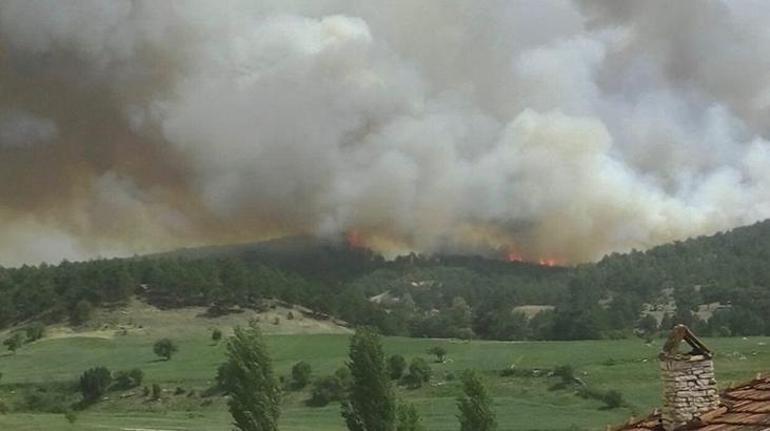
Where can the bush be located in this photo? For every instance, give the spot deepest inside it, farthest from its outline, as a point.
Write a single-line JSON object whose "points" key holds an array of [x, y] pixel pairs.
{"points": [[94, 383], [396, 366], [613, 399], [439, 352], [325, 390], [216, 335], [407, 418], [419, 373], [165, 348], [137, 376], [300, 374], [14, 342], [156, 391], [566, 373], [331, 388], [48, 398], [3, 408], [70, 416], [128, 379], [35, 331]]}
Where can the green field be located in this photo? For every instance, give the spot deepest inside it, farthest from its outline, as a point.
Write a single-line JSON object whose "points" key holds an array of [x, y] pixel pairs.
{"points": [[522, 403]]}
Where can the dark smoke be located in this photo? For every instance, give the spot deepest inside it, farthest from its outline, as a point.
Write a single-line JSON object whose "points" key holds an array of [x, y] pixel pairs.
{"points": [[552, 129]]}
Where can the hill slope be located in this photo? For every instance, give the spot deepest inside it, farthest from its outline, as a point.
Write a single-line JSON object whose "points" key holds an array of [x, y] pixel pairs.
{"points": [[436, 296]]}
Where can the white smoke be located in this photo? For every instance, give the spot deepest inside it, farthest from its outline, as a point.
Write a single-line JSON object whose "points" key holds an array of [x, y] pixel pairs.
{"points": [[554, 129], [21, 129]]}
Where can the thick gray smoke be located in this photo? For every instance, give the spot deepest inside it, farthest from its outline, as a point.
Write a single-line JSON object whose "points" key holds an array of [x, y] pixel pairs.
{"points": [[544, 129]]}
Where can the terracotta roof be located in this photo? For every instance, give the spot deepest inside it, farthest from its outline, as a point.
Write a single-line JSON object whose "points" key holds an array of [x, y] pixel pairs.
{"points": [[745, 407]]}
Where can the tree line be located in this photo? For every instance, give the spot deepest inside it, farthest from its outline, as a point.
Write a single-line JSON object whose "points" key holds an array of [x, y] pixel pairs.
{"points": [[431, 296]]}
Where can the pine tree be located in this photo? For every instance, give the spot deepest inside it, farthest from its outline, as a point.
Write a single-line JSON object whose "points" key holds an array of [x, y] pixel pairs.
{"points": [[372, 405], [475, 406], [255, 395]]}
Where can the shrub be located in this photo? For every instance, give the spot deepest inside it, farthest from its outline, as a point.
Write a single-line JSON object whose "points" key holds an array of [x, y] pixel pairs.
{"points": [[179, 390], [70, 416], [419, 372], [439, 352], [156, 391], [3, 408], [35, 331], [165, 348], [325, 390], [137, 376], [407, 418], [613, 399], [94, 383], [47, 398], [14, 342], [128, 379], [216, 335], [396, 366], [300, 374], [566, 373]]}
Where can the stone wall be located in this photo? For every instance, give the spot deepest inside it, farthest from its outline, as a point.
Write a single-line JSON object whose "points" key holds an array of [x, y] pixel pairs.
{"points": [[689, 388]]}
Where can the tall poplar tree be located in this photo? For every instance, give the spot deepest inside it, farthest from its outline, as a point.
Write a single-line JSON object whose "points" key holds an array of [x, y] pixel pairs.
{"points": [[372, 404], [255, 395]]}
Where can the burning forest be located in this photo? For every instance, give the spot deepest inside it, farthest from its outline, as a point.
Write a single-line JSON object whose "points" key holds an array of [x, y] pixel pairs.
{"points": [[135, 126]]}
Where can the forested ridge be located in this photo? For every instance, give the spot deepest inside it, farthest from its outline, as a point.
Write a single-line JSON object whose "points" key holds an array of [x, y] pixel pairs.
{"points": [[427, 296]]}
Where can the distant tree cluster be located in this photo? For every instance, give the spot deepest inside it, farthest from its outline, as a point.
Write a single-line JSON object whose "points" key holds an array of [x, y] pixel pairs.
{"points": [[422, 296]]}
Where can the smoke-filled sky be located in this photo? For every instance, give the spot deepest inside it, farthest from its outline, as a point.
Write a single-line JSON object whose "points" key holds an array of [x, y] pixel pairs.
{"points": [[540, 129]]}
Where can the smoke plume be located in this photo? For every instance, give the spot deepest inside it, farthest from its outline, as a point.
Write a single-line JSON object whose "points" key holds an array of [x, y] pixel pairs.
{"points": [[537, 129]]}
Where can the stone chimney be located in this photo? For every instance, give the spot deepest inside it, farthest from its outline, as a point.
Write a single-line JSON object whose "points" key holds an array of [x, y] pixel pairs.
{"points": [[689, 388]]}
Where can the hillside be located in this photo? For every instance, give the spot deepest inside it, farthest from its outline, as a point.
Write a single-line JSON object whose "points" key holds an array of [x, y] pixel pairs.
{"points": [[727, 275]]}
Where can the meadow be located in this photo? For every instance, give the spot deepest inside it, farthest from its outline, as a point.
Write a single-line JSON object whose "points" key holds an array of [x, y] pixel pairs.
{"points": [[522, 403]]}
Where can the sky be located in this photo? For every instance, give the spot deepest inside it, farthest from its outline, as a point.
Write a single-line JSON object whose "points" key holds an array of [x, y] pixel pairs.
{"points": [[530, 129]]}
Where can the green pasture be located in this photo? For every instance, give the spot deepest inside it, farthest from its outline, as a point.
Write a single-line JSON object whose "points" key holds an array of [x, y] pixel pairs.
{"points": [[522, 403]]}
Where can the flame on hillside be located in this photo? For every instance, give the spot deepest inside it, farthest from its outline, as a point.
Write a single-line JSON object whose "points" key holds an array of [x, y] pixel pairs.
{"points": [[354, 239], [514, 256]]}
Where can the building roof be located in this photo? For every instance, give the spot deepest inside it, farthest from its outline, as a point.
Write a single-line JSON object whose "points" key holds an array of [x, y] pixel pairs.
{"points": [[745, 407]]}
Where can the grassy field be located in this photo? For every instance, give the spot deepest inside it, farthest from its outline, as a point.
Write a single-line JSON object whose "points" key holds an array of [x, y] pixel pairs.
{"points": [[522, 403]]}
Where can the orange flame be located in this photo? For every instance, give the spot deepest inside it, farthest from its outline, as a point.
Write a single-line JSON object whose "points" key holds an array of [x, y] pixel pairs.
{"points": [[548, 262], [514, 257], [354, 239]]}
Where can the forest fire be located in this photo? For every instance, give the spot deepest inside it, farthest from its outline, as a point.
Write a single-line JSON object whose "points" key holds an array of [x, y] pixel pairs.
{"points": [[354, 239], [513, 256]]}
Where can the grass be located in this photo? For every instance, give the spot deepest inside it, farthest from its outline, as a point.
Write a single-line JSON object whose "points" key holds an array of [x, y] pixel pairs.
{"points": [[522, 403]]}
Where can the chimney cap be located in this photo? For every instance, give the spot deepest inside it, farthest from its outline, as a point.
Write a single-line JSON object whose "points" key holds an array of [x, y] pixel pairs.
{"points": [[682, 333]]}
